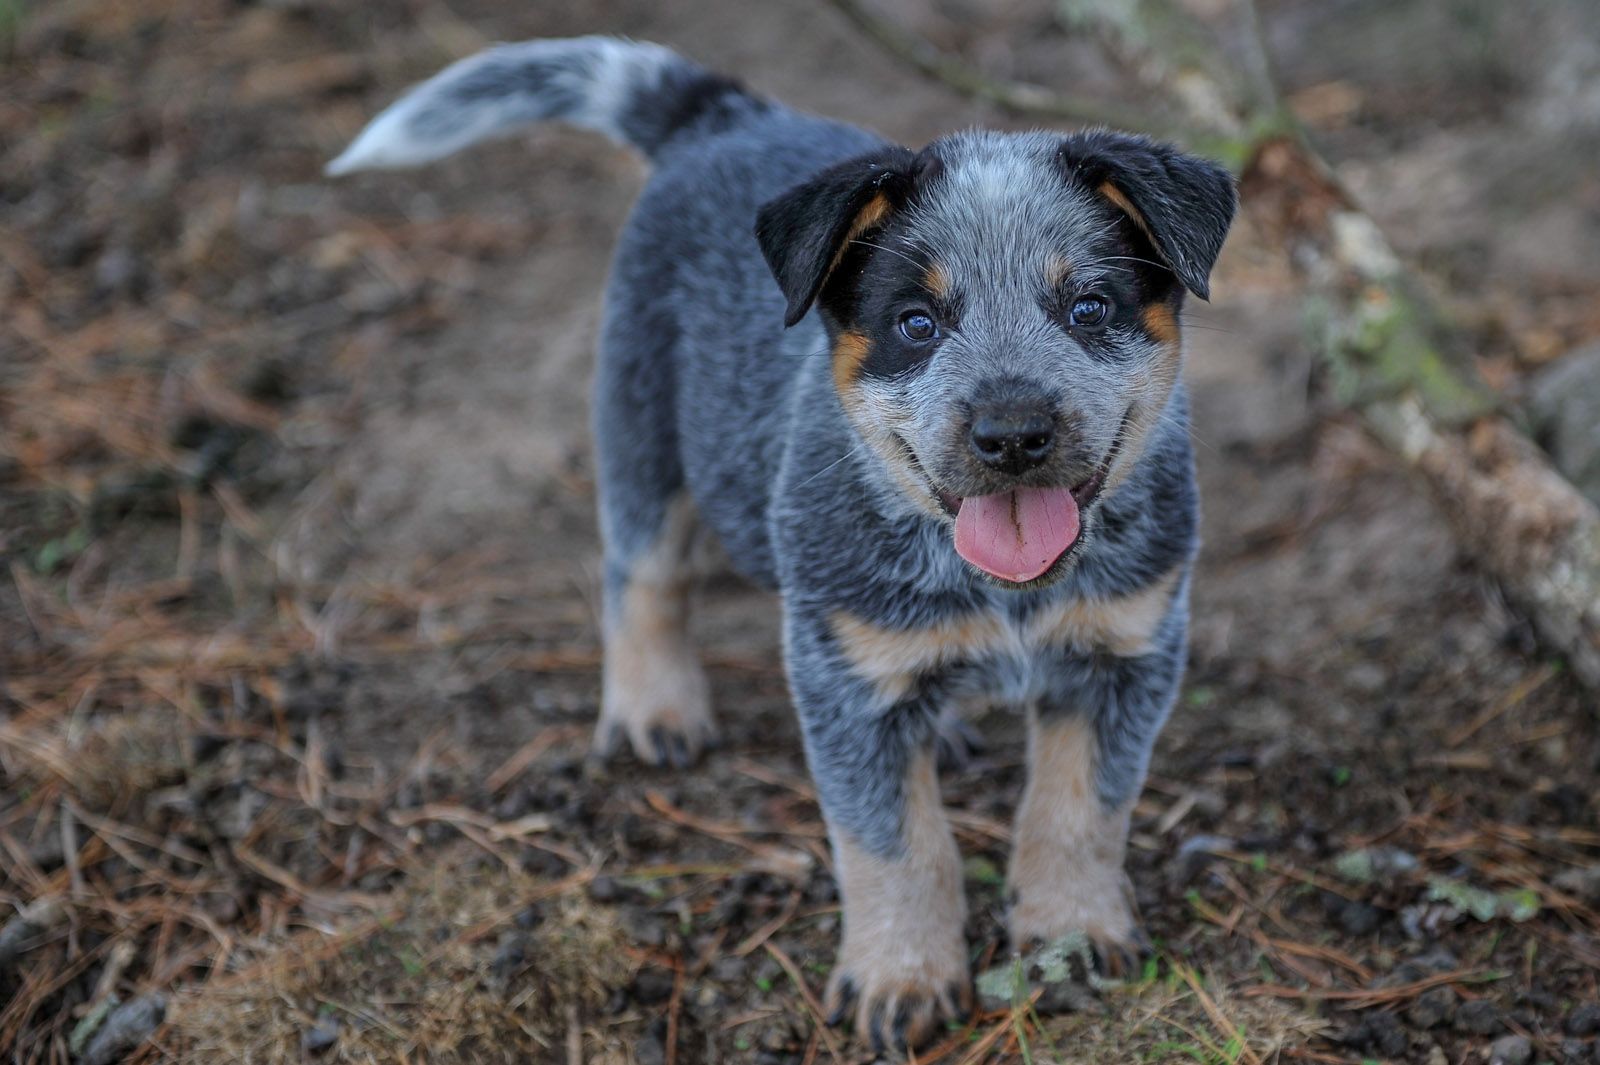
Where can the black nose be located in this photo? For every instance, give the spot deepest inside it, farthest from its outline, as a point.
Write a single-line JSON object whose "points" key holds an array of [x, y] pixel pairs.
{"points": [[1013, 441]]}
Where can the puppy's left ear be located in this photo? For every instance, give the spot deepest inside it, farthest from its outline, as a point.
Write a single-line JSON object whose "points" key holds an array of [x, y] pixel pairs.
{"points": [[1184, 204], [804, 232]]}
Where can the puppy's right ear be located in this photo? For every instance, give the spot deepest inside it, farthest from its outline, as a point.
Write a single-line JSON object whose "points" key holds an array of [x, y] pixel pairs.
{"points": [[805, 231]]}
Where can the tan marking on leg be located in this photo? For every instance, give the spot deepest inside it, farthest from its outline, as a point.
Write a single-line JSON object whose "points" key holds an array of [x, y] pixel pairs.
{"points": [[1067, 847], [652, 679], [893, 659], [1124, 626], [904, 944]]}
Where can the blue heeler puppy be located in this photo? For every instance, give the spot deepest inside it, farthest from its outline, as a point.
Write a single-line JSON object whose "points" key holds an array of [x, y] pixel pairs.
{"points": [[934, 398]]}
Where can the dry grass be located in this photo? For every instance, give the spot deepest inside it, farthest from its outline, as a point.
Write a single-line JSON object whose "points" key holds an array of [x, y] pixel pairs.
{"points": [[446, 973]]}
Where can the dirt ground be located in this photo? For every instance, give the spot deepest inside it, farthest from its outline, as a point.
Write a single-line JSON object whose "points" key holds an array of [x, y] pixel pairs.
{"points": [[298, 641]]}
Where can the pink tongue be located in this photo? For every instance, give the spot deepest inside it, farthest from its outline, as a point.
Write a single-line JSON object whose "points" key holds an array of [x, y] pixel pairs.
{"points": [[1017, 535]]}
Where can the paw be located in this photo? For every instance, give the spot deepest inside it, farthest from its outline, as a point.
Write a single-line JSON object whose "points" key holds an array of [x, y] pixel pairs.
{"points": [[898, 1006], [664, 712], [1102, 913]]}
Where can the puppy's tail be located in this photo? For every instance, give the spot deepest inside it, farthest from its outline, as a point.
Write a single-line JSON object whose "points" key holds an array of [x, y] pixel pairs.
{"points": [[638, 93]]}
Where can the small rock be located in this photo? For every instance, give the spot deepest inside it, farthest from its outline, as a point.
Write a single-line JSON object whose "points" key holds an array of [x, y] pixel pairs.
{"points": [[1583, 1020], [1478, 1018], [321, 1037], [1386, 1035], [604, 889], [768, 971], [1584, 883], [777, 1037], [125, 1028], [649, 1050], [1359, 918], [119, 272], [1511, 1050], [652, 986], [1576, 1052], [730, 969], [1437, 1056], [643, 928], [510, 956], [1433, 1008]]}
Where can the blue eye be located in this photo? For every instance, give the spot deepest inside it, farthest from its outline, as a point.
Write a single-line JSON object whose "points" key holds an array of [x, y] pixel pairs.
{"points": [[918, 327], [1089, 311]]}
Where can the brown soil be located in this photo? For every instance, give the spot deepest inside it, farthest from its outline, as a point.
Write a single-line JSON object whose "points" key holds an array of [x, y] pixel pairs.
{"points": [[298, 646]]}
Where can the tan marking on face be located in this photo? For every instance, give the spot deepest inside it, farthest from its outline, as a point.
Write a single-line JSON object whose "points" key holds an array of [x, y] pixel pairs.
{"points": [[850, 350], [904, 914], [1125, 205], [873, 214], [1161, 324], [937, 281], [651, 677], [893, 659], [1056, 271], [1067, 846]]}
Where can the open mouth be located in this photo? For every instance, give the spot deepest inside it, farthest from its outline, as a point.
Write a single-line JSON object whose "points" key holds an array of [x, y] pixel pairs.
{"points": [[1019, 536]]}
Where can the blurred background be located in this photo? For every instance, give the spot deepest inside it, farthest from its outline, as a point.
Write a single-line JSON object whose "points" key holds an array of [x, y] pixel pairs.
{"points": [[298, 635]]}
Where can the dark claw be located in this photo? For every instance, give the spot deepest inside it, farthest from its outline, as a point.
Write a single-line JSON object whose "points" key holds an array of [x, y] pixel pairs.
{"points": [[879, 1043], [679, 750], [841, 1008], [658, 744], [902, 1016], [960, 1002]]}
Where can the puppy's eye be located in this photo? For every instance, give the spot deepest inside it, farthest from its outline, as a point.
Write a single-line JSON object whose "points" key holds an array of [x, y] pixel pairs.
{"points": [[1089, 311], [917, 326]]}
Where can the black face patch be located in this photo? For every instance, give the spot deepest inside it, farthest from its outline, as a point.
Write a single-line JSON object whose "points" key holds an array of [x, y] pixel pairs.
{"points": [[1142, 293], [806, 232], [883, 289]]}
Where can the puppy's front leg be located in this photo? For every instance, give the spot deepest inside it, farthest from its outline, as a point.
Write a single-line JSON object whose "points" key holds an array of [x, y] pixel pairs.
{"points": [[1068, 845], [903, 961], [1089, 743]]}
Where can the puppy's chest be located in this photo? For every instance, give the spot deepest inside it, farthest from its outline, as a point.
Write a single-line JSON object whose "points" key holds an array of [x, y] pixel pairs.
{"points": [[997, 649]]}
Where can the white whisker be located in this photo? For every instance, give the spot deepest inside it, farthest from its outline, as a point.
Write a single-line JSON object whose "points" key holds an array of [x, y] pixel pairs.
{"points": [[891, 251]]}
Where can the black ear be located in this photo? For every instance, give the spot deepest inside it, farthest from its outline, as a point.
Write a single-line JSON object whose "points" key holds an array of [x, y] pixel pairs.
{"points": [[804, 231], [1184, 204]]}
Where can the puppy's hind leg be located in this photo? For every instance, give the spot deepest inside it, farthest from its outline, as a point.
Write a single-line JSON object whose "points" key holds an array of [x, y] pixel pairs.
{"points": [[653, 687]]}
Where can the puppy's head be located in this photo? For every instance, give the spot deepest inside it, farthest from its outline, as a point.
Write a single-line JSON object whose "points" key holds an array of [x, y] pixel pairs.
{"points": [[1003, 313]]}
